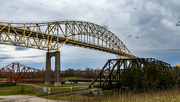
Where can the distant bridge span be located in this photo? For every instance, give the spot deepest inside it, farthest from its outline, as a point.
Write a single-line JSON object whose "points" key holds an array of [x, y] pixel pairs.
{"points": [[52, 35]]}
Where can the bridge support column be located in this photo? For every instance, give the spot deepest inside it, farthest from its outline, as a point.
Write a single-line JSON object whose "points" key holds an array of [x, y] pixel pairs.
{"points": [[48, 68], [57, 81]]}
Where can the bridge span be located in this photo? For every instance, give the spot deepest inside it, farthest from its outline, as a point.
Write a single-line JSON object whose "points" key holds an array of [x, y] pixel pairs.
{"points": [[50, 36]]}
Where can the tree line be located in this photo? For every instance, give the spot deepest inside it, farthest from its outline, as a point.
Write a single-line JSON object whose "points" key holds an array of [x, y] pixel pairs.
{"points": [[152, 77], [87, 73]]}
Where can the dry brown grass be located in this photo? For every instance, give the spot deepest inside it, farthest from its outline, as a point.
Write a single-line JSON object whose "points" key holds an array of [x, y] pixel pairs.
{"points": [[161, 96]]}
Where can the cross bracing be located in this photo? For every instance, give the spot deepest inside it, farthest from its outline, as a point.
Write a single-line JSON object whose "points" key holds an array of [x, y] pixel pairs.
{"points": [[52, 35]]}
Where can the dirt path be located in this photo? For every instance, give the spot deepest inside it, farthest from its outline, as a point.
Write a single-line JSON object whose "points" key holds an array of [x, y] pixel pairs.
{"points": [[26, 98]]}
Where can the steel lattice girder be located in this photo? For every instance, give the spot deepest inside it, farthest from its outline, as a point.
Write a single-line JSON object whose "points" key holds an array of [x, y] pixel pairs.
{"points": [[17, 71], [111, 72], [52, 35]]}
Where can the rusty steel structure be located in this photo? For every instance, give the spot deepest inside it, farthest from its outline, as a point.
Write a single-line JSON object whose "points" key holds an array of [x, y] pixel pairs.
{"points": [[15, 72], [52, 35], [110, 75]]}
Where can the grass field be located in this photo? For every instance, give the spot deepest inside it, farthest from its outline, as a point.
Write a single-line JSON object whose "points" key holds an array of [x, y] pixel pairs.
{"points": [[1, 99], [77, 78], [31, 90], [17, 87], [162, 96], [108, 96], [74, 84]]}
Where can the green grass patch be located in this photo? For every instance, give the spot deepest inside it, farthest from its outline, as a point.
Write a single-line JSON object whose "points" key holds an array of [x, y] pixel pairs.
{"points": [[6, 93], [31, 90], [107, 92], [77, 78], [39, 85], [66, 85], [20, 90], [54, 90], [17, 87], [75, 84], [34, 91], [24, 92], [1, 98], [86, 84]]}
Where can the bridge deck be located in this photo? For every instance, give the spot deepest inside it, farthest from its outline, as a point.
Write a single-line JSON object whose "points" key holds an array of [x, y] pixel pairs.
{"points": [[41, 36]]}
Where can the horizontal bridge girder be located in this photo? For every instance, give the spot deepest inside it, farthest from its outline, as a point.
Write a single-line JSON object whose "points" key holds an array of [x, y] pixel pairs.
{"points": [[17, 71], [52, 35]]}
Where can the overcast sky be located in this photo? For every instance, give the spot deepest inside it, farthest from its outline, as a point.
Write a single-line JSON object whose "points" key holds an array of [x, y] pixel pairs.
{"points": [[147, 28]]}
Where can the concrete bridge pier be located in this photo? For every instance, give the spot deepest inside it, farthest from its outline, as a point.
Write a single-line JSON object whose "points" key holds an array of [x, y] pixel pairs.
{"points": [[48, 69], [57, 81]]}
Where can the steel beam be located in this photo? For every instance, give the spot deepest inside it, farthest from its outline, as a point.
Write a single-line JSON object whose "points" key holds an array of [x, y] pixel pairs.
{"points": [[52, 35], [114, 66], [16, 72]]}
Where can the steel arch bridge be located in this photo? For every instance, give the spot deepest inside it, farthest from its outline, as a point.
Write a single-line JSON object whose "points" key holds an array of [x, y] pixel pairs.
{"points": [[52, 35]]}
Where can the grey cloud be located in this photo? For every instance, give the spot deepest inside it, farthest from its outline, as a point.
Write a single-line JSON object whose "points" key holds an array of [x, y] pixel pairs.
{"points": [[151, 22], [170, 55], [129, 36], [178, 24], [42, 4], [14, 7], [32, 56], [150, 26], [4, 58], [137, 37], [21, 48], [105, 25]]}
